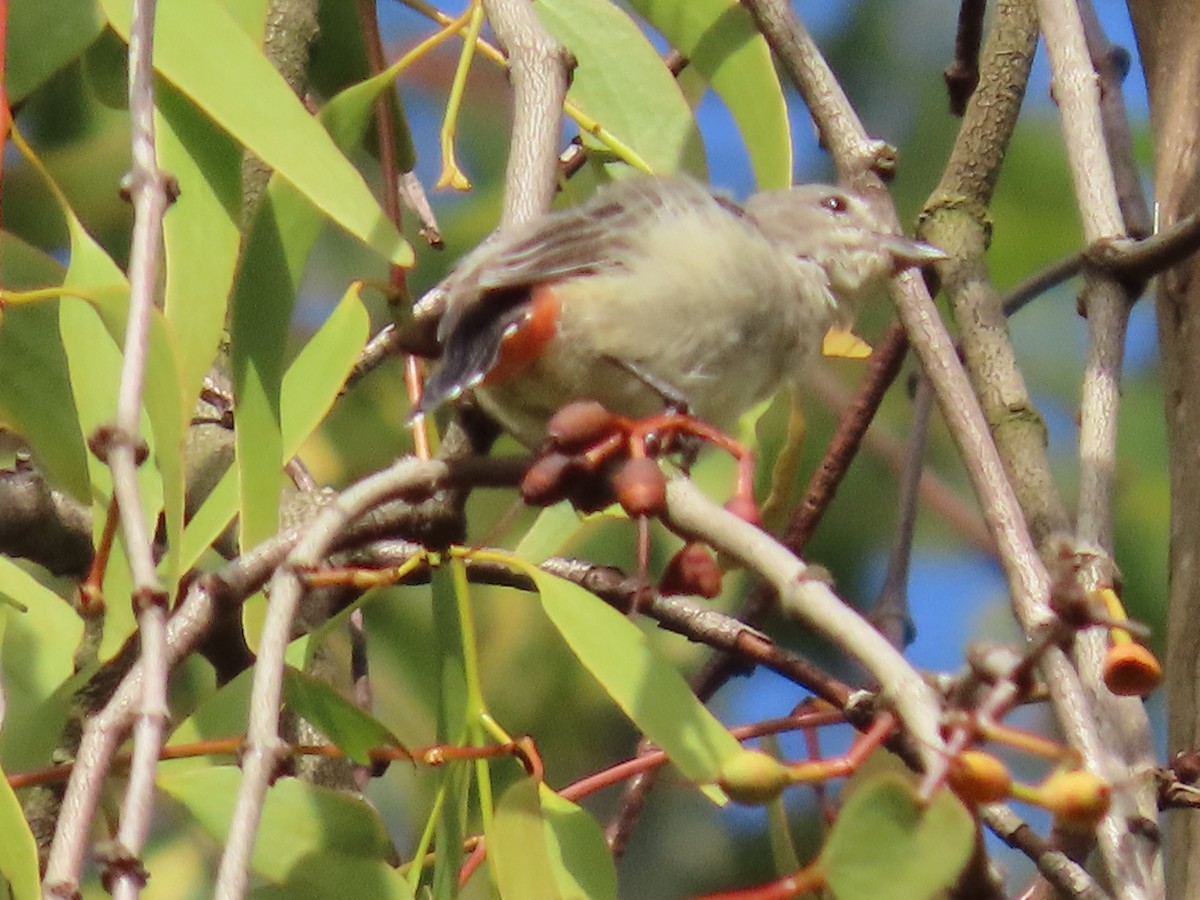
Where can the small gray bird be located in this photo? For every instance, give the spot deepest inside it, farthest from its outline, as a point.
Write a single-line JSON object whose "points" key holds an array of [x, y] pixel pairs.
{"points": [[659, 293]]}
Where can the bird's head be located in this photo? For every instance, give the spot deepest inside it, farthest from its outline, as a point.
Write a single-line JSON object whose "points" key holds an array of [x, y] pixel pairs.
{"points": [[841, 232]]}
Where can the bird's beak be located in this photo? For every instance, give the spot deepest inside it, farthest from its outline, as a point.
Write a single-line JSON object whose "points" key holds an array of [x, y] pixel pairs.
{"points": [[911, 252]]}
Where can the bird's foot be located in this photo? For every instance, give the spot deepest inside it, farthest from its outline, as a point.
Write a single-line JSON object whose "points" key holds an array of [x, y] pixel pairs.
{"points": [[593, 457]]}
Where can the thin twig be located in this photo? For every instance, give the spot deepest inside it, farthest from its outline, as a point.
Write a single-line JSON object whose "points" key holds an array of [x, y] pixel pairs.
{"points": [[150, 195], [1137, 259], [958, 512], [962, 75], [264, 746], [854, 153], [1054, 865], [807, 598], [890, 614], [538, 67], [1133, 865], [103, 732]]}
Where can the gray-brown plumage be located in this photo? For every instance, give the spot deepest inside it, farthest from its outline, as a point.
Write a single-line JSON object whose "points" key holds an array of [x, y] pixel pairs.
{"points": [[660, 292]]}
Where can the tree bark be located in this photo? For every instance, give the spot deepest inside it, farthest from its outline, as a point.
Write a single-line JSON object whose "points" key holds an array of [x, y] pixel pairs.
{"points": [[1170, 49]]}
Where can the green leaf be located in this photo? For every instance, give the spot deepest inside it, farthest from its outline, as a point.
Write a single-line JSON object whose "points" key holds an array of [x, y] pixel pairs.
{"points": [[310, 387], [201, 231], [555, 528], [622, 83], [285, 227], [517, 851], [721, 43], [35, 389], [649, 690], [35, 394], [38, 657], [299, 820], [91, 336], [228, 77], [883, 844], [583, 864], [43, 36], [250, 15], [355, 731], [315, 378], [339, 61], [453, 780], [326, 875], [18, 850]]}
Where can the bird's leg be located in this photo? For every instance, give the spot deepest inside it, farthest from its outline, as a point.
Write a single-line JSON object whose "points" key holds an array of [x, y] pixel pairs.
{"points": [[685, 444], [681, 425], [672, 397]]}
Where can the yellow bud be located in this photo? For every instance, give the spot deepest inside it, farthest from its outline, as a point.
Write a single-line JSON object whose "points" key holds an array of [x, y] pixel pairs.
{"points": [[753, 778], [979, 777], [1077, 798]]}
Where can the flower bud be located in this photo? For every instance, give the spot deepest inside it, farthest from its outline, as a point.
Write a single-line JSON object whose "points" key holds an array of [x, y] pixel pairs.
{"points": [[545, 482], [753, 778], [1131, 670], [978, 778], [641, 487], [693, 570], [579, 425]]}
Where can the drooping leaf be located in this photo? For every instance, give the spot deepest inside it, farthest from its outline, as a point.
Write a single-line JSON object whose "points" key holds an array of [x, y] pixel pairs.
{"points": [[43, 37], [517, 851], [92, 333], [453, 780], [310, 387], [722, 44], [884, 844], [18, 850], [352, 729], [299, 820], [285, 227], [622, 83], [39, 644], [325, 875], [35, 394], [201, 233], [227, 76], [580, 857], [649, 690]]}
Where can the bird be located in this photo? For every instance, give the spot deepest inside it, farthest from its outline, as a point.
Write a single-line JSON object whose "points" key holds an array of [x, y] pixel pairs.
{"points": [[659, 293]]}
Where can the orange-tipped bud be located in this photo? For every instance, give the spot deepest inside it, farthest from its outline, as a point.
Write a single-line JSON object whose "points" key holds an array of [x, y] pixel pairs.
{"points": [[979, 778], [753, 778], [641, 487], [1131, 670], [693, 570]]}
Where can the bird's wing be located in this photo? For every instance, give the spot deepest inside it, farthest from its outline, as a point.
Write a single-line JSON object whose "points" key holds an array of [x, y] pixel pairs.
{"points": [[593, 237], [485, 292]]}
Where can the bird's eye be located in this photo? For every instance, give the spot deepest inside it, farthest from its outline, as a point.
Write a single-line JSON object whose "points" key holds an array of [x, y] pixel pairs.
{"points": [[835, 203]]}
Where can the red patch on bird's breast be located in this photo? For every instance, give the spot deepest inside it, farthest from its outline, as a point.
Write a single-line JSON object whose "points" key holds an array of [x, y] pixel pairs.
{"points": [[525, 339]]}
